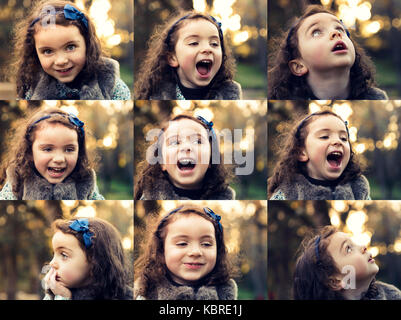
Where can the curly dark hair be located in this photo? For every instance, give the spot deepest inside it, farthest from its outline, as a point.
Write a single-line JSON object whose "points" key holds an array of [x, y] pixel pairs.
{"points": [[155, 69], [283, 85], [216, 179], [26, 61], [312, 274], [150, 268], [109, 272], [18, 159], [290, 146]]}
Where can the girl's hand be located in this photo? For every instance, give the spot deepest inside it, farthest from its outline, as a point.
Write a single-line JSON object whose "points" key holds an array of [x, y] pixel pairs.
{"points": [[55, 286]]}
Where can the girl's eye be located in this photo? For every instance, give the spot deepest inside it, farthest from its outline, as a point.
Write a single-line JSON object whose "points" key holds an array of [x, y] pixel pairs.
{"points": [[47, 149], [47, 52], [71, 47], [63, 255], [215, 44], [341, 29], [194, 43], [181, 244], [173, 142], [348, 249], [324, 137], [70, 149], [344, 139], [316, 33], [206, 244]]}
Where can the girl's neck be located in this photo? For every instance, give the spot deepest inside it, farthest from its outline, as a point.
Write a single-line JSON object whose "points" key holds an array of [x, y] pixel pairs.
{"points": [[330, 85], [357, 293]]}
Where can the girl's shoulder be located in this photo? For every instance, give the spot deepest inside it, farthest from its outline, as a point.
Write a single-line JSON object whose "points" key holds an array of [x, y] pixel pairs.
{"points": [[360, 188], [374, 93], [7, 193], [278, 195], [230, 90], [121, 91], [387, 291]]}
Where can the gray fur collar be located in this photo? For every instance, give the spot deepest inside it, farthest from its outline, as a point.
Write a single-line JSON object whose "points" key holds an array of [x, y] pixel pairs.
{"points": [[387, 292], [169, 291], [100, 87], [163, 190], [301, 189], [38, 188], [230, 90]]}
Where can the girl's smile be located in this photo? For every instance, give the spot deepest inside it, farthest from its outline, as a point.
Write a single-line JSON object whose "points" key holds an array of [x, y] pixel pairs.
{"points": [[327, 150], [198, 53], [186, 153], [55, 151], [61, 51], [190, 248]]}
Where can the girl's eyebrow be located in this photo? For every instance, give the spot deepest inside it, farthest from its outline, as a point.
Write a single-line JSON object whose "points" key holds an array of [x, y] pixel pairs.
{"points": [[65, 44], [60, 248], [198, 36], [328, 130]]}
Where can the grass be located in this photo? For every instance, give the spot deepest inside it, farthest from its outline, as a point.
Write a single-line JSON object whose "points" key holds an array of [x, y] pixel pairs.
{"points": [[119, 190], [251, 77]]}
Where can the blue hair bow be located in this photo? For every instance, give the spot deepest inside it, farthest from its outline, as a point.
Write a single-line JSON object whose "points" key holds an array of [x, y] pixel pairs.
{"points": [[215, 145], [82, 226], [71, 13], [74, 120], [208, 124], [215, 217]]}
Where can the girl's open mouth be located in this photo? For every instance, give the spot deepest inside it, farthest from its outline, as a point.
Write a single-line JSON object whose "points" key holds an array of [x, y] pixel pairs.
{"points": [[203, 67], [186, 164], [56, 172], [335, 159], [339, 47]]}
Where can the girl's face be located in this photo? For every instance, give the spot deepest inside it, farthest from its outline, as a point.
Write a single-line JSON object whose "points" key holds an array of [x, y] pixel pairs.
{"points": [[327, 149], [190, 248], [323, 45], [347, 254], [55, 151], [69, 260], [186, 153], [198, 53], [61, 51]]}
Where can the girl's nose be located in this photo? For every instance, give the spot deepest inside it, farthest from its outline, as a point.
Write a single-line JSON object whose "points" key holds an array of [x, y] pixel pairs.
{"points": [[53, 263], [61, 59], [364, 249], [59, 157], [195, 251], [335, 34], [186, 145]]}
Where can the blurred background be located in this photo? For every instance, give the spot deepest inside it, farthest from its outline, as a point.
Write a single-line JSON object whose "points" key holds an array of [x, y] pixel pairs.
{"points": [[375, 224], [374, 128], [244, 28], [25, 239], [109, 135], [249, 116], [245, 230], [375, 25], [114, 27]]}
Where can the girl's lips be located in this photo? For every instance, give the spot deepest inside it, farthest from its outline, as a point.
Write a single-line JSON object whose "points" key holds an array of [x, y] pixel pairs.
{"points": [[334, 159], [204, 67], [193, 266], [339, 47], [64, 71]]}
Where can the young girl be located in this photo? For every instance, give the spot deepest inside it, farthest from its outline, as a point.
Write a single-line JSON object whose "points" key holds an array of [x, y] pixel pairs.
{"points": [[187, 164], [59, 56], [188, 59], [185, 259], [316, 162], [331, 266], [88, 262], [47, 160], [318, 59]]}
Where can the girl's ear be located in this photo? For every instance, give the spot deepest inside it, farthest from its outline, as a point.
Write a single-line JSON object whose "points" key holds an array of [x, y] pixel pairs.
{"points": [[172, 60], [335, 283], [297, 67], [303, 157]]}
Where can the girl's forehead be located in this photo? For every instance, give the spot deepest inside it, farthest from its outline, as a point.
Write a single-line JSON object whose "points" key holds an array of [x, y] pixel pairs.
{"points": [[185, 127], [65, 240], [190, 224], [197, 26], [326, 121], [318, 18]]}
